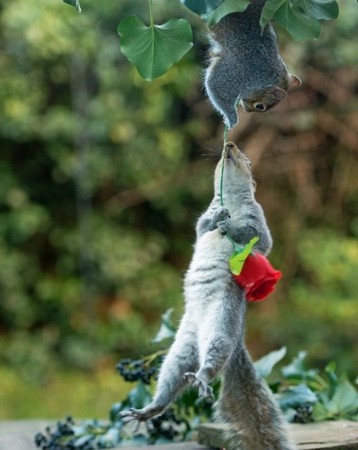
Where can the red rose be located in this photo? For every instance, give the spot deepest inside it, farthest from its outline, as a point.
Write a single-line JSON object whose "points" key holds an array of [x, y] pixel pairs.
{"points": [[257, 277]]}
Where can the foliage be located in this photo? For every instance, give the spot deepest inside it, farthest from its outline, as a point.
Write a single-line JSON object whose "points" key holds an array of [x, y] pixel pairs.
{"points": [[304, 395], [154, 49]]}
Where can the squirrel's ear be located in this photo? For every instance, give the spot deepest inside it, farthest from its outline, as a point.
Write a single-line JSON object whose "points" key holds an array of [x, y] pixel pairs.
{"points": [[293, 81], [278, 93]]}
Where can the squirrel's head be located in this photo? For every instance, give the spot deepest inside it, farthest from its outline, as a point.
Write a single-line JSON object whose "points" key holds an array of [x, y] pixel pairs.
{"points": [[237, 169], [265, 99]]}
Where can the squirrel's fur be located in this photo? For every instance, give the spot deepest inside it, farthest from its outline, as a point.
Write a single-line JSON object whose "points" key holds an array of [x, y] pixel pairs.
{"points": [[245, 65], [210, 338]]}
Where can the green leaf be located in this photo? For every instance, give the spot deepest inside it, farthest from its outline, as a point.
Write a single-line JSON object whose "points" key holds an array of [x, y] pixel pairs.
{"points": [[167, 329], [320, 412], [75, 3], [154, 49], [269, 11], [319, 9], [227, 7], [238, 258], [296, 23], [114, 411], [265, 364], [345, 399], [295, 396], [202, 6], [330, 370]]}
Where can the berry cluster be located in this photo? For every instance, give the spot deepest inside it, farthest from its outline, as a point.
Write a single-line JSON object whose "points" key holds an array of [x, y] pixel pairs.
{"points": [[68, 436], [167, 426], [139, 369], [304, 413], [58, 439]]}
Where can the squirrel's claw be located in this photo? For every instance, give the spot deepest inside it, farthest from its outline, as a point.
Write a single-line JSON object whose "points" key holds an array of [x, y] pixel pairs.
{"points": [[204, 389]]}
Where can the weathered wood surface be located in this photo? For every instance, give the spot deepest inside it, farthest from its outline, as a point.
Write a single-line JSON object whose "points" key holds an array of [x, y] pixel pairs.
{"points": [[340, 435]]}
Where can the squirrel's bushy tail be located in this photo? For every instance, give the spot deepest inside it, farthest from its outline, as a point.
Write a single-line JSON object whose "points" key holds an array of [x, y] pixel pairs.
{"points": [[248, 406]]}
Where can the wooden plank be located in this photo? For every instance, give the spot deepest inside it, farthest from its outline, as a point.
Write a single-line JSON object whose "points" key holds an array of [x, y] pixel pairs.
{"points": [[182, 446], [340, 435]]}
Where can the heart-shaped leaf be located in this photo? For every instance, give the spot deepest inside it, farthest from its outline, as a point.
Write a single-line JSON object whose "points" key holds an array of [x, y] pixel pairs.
{"points": [[154, 49], [227, 7], [296, 23], [319, 9], [202, 7]]}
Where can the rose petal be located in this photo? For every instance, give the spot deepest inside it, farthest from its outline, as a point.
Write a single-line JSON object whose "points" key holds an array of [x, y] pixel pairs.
{"points": [[257, 277]]}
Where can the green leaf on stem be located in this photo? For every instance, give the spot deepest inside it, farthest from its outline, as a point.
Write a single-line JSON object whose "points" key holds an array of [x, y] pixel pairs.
{"points": [[154, 49]]}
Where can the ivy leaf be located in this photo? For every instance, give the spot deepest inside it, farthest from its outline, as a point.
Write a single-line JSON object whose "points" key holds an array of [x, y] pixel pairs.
{"points": [[296, 23], [167, 329], [227, 7], [319, 9], [269, 11], [202, 6], [265, 364], [75, 3], [154, 49]]}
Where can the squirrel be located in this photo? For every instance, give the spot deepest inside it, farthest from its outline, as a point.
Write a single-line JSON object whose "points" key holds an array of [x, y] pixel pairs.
{"points": [[245, 65], [210, 337]]}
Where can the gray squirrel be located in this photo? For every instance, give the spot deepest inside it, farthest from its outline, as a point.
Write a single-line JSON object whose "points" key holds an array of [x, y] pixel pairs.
{"points": [[245, 65], [210, 338]]}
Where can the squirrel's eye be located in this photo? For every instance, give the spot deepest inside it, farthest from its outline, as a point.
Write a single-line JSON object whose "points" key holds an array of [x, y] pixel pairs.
{"points": [[259, 107]]}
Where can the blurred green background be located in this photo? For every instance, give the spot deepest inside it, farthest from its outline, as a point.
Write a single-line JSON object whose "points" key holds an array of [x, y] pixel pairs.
{"points": [[103, 175]]}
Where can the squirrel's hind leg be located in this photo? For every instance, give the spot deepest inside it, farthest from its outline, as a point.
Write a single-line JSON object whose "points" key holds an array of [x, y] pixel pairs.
{"points": [[218, 336], [181, 358]]}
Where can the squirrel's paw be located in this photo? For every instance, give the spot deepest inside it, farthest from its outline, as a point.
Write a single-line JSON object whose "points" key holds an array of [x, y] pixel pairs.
{"points": [[204, 389], [224, 226], [221, 214]]}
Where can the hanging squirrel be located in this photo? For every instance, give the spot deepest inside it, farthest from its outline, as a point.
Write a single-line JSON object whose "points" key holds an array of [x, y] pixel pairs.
{"points": [[245, 65], [210, 338]]}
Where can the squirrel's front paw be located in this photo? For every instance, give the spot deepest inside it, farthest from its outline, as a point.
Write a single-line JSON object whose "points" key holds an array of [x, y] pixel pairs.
{"points": [[224, 226], [220, 214], [204, 389]]}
